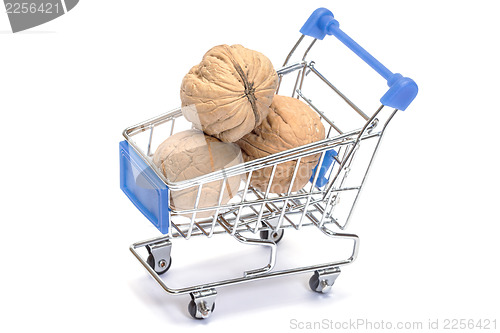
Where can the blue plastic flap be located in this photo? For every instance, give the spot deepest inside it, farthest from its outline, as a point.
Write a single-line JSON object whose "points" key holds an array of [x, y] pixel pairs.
{"points": [[143, 187], [328, 161]]}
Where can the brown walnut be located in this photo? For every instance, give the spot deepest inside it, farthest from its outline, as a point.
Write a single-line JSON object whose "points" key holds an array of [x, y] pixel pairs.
{"points": [[229, 92], [289, 124]]}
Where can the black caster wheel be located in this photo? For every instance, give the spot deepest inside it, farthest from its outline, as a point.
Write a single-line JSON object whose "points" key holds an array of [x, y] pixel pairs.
{"points": [[192, 310], [275, 236], [314, 282], [161, 267], [322, 282]]}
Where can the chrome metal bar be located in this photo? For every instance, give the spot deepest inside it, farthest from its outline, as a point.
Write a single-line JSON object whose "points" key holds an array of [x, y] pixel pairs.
{"points": [[196, 203], [225, 224], [266, 195], [291, 68], [329, 131], [334, 202], [285, 203], [286, 218], [178, 230], [302, 74], [356, 142], [151, 241], [348, 101], [200, 227], [172, 128], [323, 216], [308, 49], [216, 213], [286, 61], [347, 170], [353, 237], [300, 78], [321, 113], [293, 50], [242, 201], [150, 139], [158, 120], [272, 256], [368, 168], [296, 83], [313, 185]]}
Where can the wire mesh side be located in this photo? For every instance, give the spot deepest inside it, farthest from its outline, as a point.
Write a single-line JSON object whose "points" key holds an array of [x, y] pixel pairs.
{"points": [[253, 209]]}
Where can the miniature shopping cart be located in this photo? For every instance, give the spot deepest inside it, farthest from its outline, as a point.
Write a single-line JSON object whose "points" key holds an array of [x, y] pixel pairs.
{"points": [[259, 217]]}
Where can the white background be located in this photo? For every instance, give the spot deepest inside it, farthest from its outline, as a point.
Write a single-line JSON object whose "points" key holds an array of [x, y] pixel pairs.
{"points": [[428, 218]]}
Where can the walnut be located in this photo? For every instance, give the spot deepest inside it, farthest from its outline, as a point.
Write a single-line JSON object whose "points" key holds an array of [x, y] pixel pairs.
{"points": [[190, 154], [289, 124], [228, 94]]}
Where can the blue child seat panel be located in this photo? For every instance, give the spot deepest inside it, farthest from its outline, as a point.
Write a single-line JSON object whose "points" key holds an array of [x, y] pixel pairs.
{"points": [[143, 187]]}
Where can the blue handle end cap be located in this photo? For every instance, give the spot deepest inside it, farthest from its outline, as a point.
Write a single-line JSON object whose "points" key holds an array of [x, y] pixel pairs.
{"points": [[319, 24], [401, 93]]}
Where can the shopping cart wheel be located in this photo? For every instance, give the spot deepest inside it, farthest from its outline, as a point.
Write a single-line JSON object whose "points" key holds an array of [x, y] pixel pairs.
{"points": [[272, 235], [162, 265], [323, 280], [202, 303], [159, 258], [193, 311]]}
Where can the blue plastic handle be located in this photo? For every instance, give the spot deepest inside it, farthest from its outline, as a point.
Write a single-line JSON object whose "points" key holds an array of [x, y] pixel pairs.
{"points": [[402, 90], [328, 160]]}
